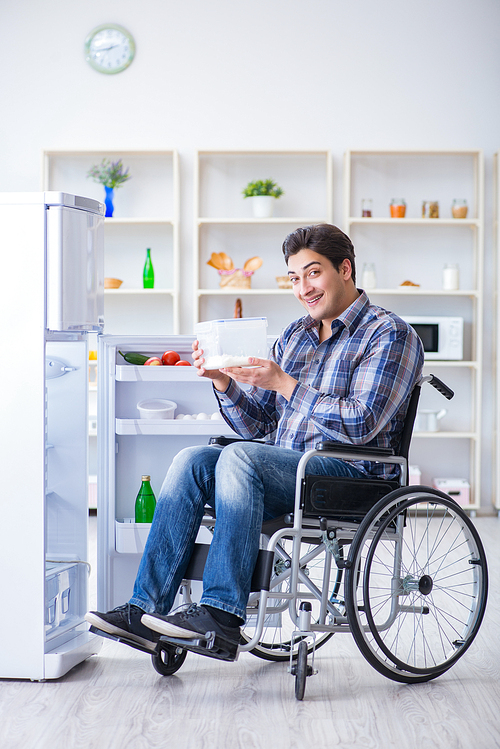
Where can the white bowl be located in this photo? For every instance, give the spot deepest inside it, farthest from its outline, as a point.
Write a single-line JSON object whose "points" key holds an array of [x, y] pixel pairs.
{"points": [[156, 409]]}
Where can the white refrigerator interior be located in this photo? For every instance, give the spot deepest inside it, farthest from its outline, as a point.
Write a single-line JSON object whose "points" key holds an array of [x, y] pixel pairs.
{"points": [[130, 446], [51, 280]]}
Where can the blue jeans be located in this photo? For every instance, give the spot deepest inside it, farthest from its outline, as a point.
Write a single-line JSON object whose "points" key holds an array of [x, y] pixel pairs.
{"points": [[246, 483]]}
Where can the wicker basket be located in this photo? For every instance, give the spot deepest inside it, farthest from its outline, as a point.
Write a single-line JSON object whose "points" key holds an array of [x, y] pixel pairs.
{"points": [[284, 282], [112, 283], [239, 279]]}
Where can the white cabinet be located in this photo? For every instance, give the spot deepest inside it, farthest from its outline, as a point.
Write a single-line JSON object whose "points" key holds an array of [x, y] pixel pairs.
{"points": [[224, 223], [496, 291], [416, 249], [129, 446], [146, 215]]}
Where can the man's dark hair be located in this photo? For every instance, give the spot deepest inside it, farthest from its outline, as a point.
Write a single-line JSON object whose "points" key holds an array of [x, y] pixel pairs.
{"points": [[325, 239]]}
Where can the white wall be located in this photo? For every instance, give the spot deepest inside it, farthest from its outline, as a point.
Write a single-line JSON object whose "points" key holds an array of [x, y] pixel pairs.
{"points": [[260, 74]]}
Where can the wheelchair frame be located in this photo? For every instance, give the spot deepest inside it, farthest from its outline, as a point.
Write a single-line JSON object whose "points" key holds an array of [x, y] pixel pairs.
{"points": [[412, 606]]}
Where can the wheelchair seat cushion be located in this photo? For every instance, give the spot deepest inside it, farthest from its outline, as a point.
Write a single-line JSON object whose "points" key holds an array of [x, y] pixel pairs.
{"points": [[342, 497]]}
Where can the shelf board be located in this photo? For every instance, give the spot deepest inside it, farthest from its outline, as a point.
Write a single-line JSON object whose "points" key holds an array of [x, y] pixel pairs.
{"points": [[118, 292], [173, 427], [135, 220], [251, 220], [433, 363], [234, 290], [419, 291], [131, 373], [447, 435], [416, 221]]}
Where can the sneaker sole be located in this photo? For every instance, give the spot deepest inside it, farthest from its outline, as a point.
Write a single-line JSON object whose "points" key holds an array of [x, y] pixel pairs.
{"points": [[110, 629], [168, 629]]}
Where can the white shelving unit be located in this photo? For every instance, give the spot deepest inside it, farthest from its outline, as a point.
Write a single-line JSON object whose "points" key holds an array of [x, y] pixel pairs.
{"points": [[146, 215], [224, 223], [415, 249]]}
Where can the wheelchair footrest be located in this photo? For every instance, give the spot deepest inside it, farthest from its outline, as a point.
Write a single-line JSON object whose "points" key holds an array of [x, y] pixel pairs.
{"points": [[210, 644], [124, 640]]}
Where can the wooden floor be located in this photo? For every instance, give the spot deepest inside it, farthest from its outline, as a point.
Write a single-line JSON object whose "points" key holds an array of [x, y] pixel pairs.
{"points": [[116, 699]]}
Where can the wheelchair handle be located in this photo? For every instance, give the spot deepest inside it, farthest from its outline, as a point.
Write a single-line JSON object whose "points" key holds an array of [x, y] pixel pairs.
{"points": [[439, 385]]}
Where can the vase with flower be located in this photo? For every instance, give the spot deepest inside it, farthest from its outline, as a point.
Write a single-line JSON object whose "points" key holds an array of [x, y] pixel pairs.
{"points": [[111, 175]]}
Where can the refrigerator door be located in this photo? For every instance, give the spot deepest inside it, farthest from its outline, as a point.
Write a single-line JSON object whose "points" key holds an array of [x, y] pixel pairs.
{"points": [[75, 267]]}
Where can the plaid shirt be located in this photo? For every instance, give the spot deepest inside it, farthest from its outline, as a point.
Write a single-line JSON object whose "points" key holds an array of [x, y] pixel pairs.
{"points": [[354, 387]]}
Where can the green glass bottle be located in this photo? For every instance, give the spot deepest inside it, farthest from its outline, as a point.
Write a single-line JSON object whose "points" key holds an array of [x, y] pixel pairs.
{"points": [[148, 273], [145, 503]]}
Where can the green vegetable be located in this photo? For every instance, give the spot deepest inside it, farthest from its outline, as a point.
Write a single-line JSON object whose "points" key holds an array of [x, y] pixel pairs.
{"points": [[132, 357]]}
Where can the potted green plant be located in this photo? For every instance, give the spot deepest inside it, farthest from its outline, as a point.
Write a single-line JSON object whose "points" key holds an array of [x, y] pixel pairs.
{"points": [[110, 174], [263, 193]]}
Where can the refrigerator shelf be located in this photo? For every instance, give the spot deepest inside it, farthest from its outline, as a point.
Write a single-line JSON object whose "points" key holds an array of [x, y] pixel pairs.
{"points": [[130, 373], [210, 427]]}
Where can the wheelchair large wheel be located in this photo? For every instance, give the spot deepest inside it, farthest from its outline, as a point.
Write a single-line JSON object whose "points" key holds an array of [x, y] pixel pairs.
{"points": [[416, 585], [275, 641]]}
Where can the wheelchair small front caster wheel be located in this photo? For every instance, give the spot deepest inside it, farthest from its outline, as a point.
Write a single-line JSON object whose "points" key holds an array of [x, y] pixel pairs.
{"points": [[301, 670], [168, 659]]}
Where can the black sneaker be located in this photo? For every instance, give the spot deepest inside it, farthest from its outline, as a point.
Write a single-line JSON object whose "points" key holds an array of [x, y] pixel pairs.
{"points": [[190, 624], [124, 621]]}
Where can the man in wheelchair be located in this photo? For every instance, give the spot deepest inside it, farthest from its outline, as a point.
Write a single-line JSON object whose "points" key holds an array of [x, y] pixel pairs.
{"points": [[343, 372]]}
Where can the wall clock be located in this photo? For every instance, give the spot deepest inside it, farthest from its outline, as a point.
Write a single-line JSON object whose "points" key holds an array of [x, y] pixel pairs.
{"points": [[109, 48]]}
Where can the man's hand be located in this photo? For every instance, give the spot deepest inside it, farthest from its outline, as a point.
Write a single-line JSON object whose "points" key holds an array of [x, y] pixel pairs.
{"points": [[263, 374], [221, 381]]}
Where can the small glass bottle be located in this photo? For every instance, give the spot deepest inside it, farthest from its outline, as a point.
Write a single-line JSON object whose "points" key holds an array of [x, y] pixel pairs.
{"points": [[398, 208], [450, 277], [459, 209], [148, 273], [369, 279], [366, 208], [145, 502]]}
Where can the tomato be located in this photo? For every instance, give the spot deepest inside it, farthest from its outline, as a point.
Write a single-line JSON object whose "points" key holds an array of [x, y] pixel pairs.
{"points": [[153, 361], [182, 363], [170, 357]]}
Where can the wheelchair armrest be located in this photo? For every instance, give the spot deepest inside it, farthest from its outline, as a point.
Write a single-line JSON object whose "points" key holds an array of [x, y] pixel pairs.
{"points": [[360, 450], [229, 440]]}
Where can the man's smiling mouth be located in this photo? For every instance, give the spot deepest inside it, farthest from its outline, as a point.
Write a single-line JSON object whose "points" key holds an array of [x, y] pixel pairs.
{"points": [[314, 299]]}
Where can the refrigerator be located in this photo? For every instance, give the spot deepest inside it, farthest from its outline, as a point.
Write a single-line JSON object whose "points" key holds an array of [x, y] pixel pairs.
{"points": [[51, 280]]}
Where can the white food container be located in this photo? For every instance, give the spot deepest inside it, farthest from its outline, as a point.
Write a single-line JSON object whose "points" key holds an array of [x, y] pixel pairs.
{"points": [[156, 409], [230, 343]]}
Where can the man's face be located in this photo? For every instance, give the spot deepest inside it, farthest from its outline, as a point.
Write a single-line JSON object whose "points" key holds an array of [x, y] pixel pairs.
{"points": [[320, 288]]}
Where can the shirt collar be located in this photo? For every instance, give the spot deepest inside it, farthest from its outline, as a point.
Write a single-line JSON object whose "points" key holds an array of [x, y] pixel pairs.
{"points": [[350, 317]]}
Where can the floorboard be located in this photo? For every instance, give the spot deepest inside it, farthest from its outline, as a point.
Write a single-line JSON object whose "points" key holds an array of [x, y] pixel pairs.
{"points": [[117, 699]]}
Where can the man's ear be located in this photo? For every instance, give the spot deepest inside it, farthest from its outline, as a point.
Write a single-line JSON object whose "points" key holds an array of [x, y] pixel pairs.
{"points": [[346, 269]]}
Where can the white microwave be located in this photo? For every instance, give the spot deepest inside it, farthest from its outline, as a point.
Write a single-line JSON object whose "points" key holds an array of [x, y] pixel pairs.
{"points": [[442, 337]]}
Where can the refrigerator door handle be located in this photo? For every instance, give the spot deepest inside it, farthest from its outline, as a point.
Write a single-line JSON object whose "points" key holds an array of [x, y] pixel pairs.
{"points": [[56, 368]]}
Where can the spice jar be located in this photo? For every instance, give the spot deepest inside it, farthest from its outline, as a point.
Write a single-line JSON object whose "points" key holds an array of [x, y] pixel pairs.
{"points": [[398, 208], [430, 209], [366, 207], [459, 209]]}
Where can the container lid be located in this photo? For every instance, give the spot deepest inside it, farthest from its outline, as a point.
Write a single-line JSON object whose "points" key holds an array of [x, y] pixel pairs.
{"points": [[236, 321], [146, 478]]}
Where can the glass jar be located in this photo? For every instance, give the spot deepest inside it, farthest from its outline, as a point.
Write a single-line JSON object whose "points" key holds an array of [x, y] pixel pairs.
{"points": [[430, 209], [398, 208], [366, 207], [369, 279], [459, 209]]}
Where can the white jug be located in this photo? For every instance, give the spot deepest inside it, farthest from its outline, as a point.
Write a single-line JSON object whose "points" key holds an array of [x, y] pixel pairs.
{"points": [[428, 420]]}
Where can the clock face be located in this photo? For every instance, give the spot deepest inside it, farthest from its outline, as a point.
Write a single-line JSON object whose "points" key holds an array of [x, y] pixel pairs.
{"points": [[109, 48]]}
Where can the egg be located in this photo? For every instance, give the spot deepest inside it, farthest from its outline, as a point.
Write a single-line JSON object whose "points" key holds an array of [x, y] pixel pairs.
{"points": [[216, 416], [202, 416], [188, 416], [180, 416]]}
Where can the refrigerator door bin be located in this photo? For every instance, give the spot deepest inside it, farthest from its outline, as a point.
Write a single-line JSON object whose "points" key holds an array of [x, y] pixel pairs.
{"points": [[64, 588], [130, 537]]}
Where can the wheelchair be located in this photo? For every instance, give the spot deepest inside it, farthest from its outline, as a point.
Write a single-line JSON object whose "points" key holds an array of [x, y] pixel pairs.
{"points": [[400, 567]]}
